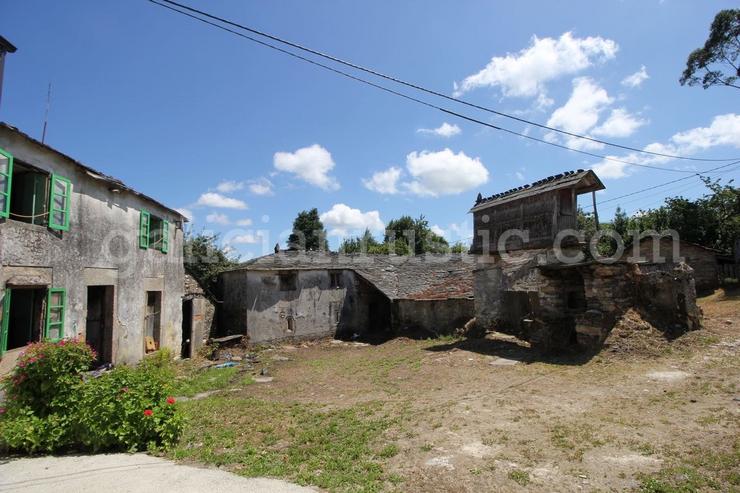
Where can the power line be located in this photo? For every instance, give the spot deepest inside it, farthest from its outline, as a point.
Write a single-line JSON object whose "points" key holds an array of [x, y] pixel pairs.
{"points": [[696, 174], [422, 88], [414, 99]]}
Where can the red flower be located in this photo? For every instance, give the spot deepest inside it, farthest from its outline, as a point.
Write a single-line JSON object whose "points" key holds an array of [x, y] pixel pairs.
{"points": [[148, 412], [170, 400]]}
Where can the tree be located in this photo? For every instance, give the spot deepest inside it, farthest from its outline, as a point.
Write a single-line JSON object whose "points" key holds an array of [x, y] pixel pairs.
{"points": [[721, 49], [205, 259], [360, 244], [308, 232], [413, 236], [621, 223]]}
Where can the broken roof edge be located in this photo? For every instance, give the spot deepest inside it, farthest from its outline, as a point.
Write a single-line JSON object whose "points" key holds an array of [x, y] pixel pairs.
{"points": [[93, 173], [555, 182], [6, 45]]}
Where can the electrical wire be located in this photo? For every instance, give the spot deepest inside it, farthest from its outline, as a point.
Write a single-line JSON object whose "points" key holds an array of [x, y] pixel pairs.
{"points": [[422, 88], [417, 100]]}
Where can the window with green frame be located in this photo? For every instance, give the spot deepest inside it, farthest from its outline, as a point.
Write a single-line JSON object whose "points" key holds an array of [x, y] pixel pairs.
{"points": [[154, 232], [56, 306], [28, 201]]}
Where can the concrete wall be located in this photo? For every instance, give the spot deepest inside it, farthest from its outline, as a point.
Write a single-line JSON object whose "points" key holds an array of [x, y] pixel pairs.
{"points": [[101, 248], [434, 316], [254, 303]]}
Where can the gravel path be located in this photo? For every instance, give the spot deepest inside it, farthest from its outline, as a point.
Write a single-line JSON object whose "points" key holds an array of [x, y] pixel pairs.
{"points": [[119, 473]]}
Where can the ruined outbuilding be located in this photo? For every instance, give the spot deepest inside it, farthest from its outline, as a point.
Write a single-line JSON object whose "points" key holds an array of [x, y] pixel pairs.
{"points": [[538, 282], [83, 255], [198, 317], [299, 295]]}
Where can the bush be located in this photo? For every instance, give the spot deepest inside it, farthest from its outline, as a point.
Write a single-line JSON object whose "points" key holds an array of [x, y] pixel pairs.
{"points": [[51, 408]]}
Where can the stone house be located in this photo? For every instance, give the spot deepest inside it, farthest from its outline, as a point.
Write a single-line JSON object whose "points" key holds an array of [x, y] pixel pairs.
{"points": [[83, 255], [703, 260], [548, 292], [299, 295]]}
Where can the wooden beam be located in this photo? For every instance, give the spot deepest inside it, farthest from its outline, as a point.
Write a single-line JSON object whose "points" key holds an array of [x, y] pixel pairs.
{"points": [[596, 213]]}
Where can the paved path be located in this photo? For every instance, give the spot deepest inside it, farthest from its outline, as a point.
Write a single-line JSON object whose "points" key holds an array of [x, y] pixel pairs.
{"points": [[123, 473]]}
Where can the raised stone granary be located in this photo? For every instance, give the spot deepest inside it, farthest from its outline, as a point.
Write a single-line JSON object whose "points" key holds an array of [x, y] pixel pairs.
{"points": [[553, 302]]}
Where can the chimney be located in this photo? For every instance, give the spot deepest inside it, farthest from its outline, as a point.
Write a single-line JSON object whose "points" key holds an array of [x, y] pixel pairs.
{"points": [[5, 47]]}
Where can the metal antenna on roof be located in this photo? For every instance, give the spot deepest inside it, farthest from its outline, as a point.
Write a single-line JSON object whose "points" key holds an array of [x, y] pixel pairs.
{"points": [[46, 114]]}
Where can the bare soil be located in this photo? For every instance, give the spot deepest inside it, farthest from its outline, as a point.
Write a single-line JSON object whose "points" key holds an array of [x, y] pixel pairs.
{"points": [[492, 415]]}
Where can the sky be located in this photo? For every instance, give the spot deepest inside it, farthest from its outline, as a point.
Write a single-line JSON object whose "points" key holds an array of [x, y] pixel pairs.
{"points": [[241, 138]]}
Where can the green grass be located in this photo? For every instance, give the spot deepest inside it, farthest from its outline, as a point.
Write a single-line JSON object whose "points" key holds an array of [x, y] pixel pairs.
{"points": [[192, 382], [338, 450], [519, 476]]}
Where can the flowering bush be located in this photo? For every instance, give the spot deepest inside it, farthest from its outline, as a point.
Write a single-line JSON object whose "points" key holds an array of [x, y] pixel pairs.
{"points": [[51, 408]]}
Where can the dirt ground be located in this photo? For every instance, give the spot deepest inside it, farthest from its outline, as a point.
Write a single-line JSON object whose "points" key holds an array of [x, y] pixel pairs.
{"points": [[490, 415]]}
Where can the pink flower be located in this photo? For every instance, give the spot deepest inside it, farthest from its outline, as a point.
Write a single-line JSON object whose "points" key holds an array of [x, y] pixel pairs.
{"points": [[2, 410], [124, 389]]}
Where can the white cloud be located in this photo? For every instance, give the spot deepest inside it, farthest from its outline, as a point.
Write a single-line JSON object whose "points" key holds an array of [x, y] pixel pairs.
{"points": [[519, 175], [723, 131], [444, 130], [443, 173], [213, 199], [187, 213], [343, 220], [244, 222], [437, 230], [581, 112], [619, 124], [262, 186], [229, 186], [245, 239], [636, 79], [384, 181], [310, 164], [524, 74], [217, 218]]}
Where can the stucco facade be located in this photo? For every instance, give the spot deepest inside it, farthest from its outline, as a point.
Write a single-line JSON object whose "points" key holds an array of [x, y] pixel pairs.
{"points": [[101, 248]]}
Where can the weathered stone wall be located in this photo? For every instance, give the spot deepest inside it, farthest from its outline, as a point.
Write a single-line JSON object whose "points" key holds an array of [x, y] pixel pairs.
{"points": [[433, 316], [702, 260], [101, 248], [203, 315]]}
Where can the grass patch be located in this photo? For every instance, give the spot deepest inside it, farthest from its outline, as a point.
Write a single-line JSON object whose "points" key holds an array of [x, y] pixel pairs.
{"points": [[334, 450], [520, 477], [193, 381]]}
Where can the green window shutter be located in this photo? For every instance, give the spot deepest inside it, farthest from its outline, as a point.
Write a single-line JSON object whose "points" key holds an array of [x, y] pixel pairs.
{"points": [[165, 246], [144, 220], [59, 199], [56, 305], [6, 180], [5, 314]]}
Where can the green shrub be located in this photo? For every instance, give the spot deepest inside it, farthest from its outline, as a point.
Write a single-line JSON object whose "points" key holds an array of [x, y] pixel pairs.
{"points": [[51, 408]]}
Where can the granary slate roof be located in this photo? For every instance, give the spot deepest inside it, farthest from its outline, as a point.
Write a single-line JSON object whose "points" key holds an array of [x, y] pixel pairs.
{"points": [[583, 181], [419, 277]]}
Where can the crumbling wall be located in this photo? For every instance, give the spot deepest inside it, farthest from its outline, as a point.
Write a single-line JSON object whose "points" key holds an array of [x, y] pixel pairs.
{"points": [[435, 317]]}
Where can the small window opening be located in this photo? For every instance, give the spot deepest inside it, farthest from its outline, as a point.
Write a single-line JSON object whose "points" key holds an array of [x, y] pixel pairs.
{"points": [[29, 195], [288, 281], [155, 232], [335, 279], [153, 320]]}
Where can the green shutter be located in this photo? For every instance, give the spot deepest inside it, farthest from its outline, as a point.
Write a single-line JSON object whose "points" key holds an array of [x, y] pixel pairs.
{"points": [[6, 180], [59, 199], [144, 220], [5, 314], [165, 236], [56, 305]]}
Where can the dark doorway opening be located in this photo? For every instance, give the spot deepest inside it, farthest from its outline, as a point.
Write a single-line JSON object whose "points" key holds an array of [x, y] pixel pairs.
{"points": [[153, 317], [25, 316], [99, 323], [187, 329]]}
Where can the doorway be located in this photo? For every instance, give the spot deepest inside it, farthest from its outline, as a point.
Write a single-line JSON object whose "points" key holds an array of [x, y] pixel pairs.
{"points": [[22, 322], [99, 323], [187, 329], [153, 318]]}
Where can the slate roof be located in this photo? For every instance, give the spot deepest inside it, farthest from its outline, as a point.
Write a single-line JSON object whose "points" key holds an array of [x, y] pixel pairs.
{"points": [[115, 182], [583, 181], [420, 277]]}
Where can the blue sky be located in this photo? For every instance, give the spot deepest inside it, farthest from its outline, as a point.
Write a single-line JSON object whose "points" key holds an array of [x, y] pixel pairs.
{"points": [[244, 138]]}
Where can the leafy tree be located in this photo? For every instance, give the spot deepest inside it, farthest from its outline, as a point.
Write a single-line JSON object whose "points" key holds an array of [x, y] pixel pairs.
{"points": [[360, 244], [413, 236], [459, 247], [308, 232], [721, 49], [205, 259], [621, 223]]}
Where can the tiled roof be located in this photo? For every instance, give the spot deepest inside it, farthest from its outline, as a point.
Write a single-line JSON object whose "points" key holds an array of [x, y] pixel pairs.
{"points": [[419, 277], [583, 180]]}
